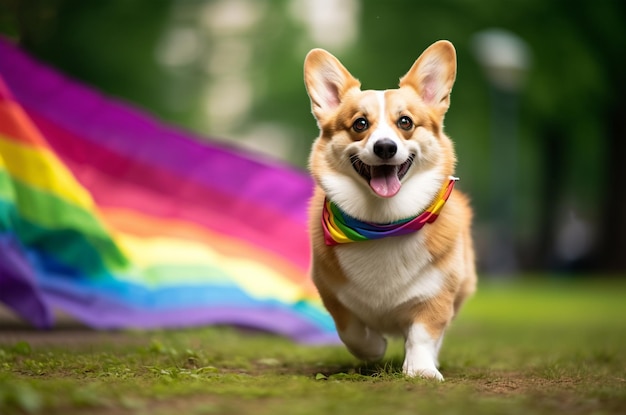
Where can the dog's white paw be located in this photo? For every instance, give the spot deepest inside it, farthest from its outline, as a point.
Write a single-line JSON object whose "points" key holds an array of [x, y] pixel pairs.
{"points": [[423, 372], [421, 352]]}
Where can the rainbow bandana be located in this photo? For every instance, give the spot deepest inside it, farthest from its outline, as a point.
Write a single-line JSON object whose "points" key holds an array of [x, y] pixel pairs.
{"points": [[339, 228]]}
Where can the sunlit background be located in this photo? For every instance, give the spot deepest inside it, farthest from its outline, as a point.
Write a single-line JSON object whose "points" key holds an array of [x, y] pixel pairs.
{"points": [[537, 115]]}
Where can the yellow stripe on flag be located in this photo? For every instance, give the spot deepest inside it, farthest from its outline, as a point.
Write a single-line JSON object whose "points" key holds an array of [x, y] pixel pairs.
{"points": [[40, 168], [257, 279]]}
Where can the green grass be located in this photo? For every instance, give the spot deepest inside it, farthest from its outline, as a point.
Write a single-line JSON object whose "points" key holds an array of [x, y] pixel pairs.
{"points": [[539, 347]]}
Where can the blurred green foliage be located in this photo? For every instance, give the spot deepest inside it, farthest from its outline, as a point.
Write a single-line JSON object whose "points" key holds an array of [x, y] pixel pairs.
{"points": [[233, 70]]}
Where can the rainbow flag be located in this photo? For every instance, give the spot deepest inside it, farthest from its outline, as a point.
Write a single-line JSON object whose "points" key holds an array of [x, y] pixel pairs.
{"points": [[124, 222]]}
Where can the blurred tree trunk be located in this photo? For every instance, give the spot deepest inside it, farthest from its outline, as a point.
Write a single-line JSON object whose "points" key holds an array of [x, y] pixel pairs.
{"points": [[553, 137], [611, 255]]}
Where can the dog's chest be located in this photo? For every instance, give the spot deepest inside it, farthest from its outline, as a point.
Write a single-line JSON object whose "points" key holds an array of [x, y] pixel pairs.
{"points": [[385, 274]]}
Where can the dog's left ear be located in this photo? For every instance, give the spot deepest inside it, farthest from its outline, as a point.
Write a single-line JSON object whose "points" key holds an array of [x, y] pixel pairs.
{"points": [[432, 75]]}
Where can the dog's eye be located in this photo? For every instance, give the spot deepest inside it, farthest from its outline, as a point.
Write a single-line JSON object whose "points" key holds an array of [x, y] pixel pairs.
{"points": [[405, 123], [360, 125]]}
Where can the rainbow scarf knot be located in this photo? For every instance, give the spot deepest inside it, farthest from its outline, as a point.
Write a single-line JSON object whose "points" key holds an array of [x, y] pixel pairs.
{"points": [[340, 228]]}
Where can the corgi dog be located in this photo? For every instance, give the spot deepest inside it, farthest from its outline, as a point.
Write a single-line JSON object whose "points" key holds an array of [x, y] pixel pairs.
{"points": [[392, 253]]}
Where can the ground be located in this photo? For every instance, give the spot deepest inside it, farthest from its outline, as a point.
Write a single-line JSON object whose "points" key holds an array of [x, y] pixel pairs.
{"points": [[541, 346]]}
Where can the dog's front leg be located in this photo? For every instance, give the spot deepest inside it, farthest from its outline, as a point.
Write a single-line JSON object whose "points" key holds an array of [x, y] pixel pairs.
{"points": [[362, 341], [421, 350]]}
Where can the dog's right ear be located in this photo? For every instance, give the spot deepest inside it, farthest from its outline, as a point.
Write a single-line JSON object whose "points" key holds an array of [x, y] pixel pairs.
{"points": [[327, 82]]}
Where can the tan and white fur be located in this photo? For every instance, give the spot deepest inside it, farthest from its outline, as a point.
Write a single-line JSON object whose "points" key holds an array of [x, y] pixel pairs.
{"points": [[412, 285]]}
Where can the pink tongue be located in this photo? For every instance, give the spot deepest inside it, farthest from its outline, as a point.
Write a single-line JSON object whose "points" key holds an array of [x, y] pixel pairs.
{"points": [[384, 181]]}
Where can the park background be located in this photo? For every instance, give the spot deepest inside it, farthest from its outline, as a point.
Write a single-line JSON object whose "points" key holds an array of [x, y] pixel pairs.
{"points": [[542, 159]]}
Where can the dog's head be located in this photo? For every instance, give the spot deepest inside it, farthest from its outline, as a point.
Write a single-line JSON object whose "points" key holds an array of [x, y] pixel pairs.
{"points": [[381, 155]]}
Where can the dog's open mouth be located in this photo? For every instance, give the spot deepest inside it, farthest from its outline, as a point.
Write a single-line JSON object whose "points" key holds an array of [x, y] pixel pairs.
{"points": [[385, 179]]}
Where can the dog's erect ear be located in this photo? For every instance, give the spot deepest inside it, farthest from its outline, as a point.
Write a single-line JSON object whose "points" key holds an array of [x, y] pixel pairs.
{"points": [[327, 81], [432, 75]]}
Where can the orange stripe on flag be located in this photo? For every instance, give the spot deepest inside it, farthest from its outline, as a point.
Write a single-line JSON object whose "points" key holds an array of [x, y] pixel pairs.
{"points": [[16, 125]]}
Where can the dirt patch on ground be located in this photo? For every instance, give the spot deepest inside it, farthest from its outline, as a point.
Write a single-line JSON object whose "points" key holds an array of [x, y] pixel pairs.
{"points": [[515, 383]]}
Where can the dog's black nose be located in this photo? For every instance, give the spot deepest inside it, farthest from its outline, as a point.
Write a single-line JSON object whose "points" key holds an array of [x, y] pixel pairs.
{"points": [[385, 148]]}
